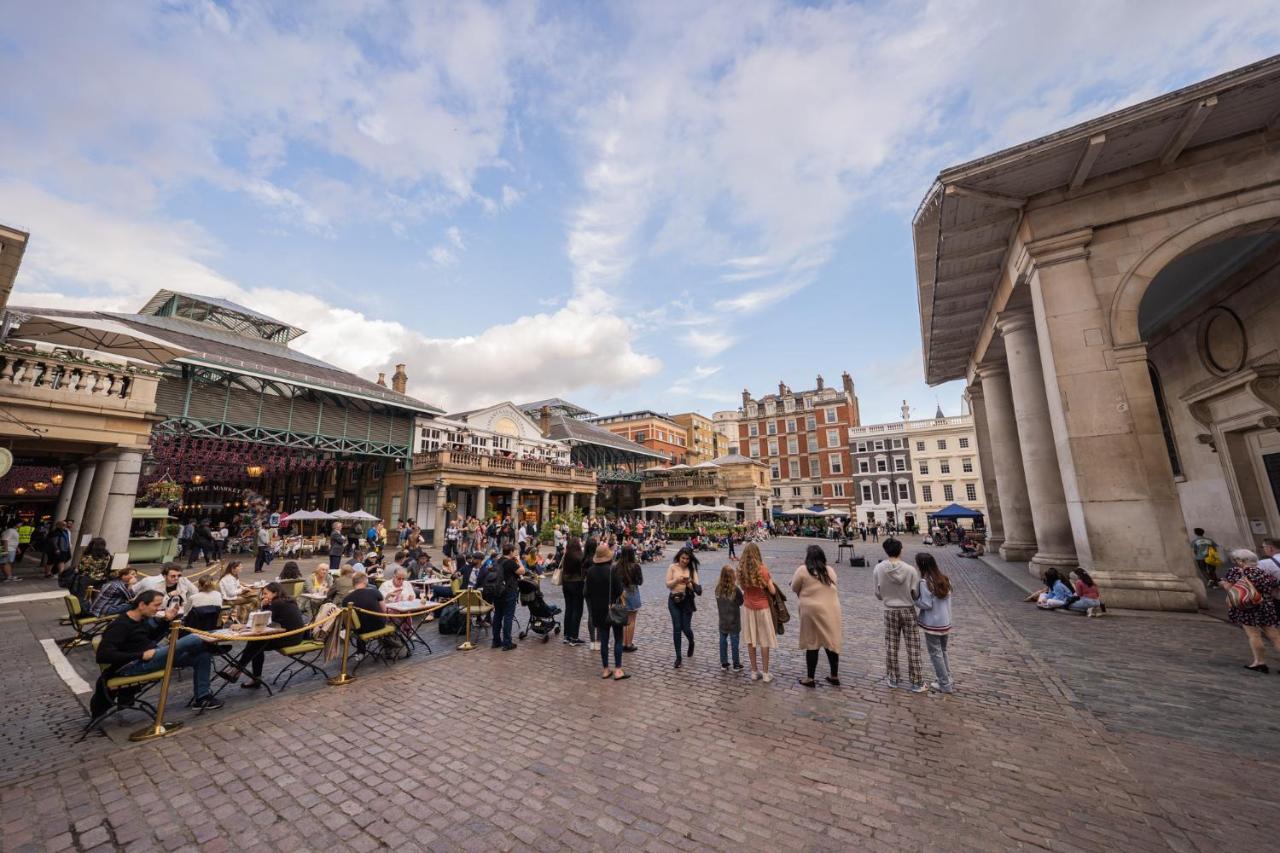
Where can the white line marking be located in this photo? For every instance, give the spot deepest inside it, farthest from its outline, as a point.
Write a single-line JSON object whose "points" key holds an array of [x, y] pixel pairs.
{"points": [[32, 596], [63, 667]]}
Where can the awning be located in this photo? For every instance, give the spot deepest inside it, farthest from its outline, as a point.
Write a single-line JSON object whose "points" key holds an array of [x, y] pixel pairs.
{"points": [[956, 511], [309, 515], [98, 334]]}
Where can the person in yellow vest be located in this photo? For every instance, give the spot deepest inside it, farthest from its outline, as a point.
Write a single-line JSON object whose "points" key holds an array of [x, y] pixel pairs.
{"points": [[24, 537]]}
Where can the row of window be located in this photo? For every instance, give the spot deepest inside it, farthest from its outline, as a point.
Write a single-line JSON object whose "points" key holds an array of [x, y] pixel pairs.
{"points": [[834, 466], [830, 415], [900, 464], [771, 406], [658, 435], [791, 425], [944, 467], [898, 444], [926, 493], [793, 446], [837, 491]]}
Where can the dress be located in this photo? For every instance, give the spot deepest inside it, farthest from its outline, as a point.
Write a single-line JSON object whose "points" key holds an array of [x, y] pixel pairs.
{"points": [[757, 620], [820, 626], [1263, 614]]}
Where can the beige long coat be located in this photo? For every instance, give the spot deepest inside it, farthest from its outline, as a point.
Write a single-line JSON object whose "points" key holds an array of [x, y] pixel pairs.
{"points": [[820, 626]]}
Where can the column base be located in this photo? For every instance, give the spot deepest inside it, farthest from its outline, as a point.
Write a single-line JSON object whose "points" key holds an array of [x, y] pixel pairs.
{"points": [[1017, 552], [1044, 560], [994, 544], [1127, 590]]}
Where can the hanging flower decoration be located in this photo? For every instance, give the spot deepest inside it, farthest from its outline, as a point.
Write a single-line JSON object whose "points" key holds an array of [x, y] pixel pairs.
{"points": [[163, 492]]}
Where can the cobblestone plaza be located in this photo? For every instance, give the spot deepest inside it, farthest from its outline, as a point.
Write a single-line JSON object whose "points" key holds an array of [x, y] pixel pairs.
{"points": [[1139, 731]]}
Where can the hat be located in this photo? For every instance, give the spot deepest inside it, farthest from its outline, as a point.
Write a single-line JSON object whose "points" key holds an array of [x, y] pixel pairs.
{"points": [[603, 554]]}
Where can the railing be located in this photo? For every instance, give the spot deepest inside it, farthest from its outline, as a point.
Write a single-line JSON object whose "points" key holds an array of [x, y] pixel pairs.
{"points": [[35, 371], [461, 460], [683, 484]]}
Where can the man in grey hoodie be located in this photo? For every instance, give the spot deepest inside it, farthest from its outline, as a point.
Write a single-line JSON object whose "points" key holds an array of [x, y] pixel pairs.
{"points": [[896, 585]]}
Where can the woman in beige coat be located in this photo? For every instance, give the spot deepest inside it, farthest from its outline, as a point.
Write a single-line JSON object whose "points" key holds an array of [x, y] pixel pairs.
{"points": [[815, 586]]}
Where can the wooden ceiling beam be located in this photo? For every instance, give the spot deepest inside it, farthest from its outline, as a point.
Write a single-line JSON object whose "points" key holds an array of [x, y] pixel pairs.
{"points": [[997, 199]]}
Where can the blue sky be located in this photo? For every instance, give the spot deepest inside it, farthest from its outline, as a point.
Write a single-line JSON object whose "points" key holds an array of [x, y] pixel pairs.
{"points": [[648, 205]]}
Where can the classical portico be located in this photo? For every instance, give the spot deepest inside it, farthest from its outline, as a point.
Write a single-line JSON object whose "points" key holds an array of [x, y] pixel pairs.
{"points": [[1111, 294]]}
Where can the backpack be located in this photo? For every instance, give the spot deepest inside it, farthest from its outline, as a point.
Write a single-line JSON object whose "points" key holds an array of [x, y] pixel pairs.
{"points": [[494, 585], [1212, 557], [451, 620]]}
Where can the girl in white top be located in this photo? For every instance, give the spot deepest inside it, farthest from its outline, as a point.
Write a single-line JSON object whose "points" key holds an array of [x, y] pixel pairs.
{"points": [[206, 594], [230, 585]]}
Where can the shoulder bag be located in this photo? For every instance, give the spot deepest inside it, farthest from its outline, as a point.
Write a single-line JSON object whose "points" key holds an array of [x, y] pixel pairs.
{"points": [[617, 609], [1242, 594]]}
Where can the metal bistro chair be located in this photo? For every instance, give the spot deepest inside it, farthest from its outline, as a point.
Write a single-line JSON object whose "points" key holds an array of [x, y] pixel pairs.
{"points": [[473, 605], [375, 643], [86, 627], [124, 692]]}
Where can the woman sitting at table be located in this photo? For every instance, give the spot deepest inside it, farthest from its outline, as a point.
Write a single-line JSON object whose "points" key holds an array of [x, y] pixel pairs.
{"points": [[286, 615], [290, 572], [343, 584], [235, 594], [316, 587]]}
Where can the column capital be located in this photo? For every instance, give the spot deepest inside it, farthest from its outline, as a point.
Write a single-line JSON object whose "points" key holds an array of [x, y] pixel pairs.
{"points": [[1015, 320], [1059, 249], [992, 369], [974, 389]]}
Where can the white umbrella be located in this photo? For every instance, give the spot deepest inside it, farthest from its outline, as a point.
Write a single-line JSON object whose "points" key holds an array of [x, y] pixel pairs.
{"points": [[309, 515], [834, 513], [340, 515], [726, 508], [96, 333], [657, 508], [361, 515], [800, 511], [696, 508]]}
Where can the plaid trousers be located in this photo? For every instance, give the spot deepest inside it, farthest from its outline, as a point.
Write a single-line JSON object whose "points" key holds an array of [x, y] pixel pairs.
{"points": [[901, 622]]}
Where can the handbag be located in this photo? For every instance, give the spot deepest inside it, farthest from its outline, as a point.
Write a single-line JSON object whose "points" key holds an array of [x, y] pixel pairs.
{"points": [[1242, 594], [556, 578], [617, 610]]}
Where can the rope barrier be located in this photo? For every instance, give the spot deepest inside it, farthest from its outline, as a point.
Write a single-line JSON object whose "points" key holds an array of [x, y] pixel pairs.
{"points": [[400, 614], [272, 635]]}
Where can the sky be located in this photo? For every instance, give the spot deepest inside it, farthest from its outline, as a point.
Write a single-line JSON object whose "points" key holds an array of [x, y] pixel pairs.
{"points": [[649, 205]]}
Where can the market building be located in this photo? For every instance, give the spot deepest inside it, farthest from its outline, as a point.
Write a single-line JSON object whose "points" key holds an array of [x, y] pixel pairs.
{"points": [[245, 424], [729, 481], [1111, 295], [803, 437]]}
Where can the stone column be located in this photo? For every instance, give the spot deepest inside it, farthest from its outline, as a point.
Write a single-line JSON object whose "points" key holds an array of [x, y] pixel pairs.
{"points": [[442, 497], [546, 506], [1055, 543], [1116, 476], [482, 501], [571, 504], [516, 514], [96, 506], [118, 517], [1005, 464], [593, 505], [84, 481], [995, 523], [70, 474]]}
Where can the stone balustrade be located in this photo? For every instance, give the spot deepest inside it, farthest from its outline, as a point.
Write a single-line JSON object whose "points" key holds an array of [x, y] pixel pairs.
{"points": [[47, 377], [446, 461]]}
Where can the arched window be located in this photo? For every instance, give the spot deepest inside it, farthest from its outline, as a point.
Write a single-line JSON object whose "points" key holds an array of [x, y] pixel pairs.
{"points": [[1165, 427]]}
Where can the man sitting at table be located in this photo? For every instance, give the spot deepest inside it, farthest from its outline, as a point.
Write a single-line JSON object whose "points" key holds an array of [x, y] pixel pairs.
{"points": [[285, 614], [116, 595], [133, 645], [398, 588], [173, 585], [367, 598]]}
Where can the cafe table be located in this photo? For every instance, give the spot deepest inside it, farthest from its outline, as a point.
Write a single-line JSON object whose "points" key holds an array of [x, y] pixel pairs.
{"points": [[412, 624], [239, 634]]}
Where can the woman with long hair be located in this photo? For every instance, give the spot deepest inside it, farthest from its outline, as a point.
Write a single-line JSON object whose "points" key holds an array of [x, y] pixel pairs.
{"points": [[588, 554], [95, 562], [573, 572], [631, 577], [933, 615], [757, 621], [820, 626], [682, 586]]}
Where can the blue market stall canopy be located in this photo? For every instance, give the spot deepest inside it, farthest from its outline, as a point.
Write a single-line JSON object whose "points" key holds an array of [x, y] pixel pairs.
{"points": [[956, 511]]}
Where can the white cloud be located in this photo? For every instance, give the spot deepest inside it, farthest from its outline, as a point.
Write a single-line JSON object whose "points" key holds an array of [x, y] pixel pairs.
{"points": [[443, 256], [80, 257], [707, 342]]}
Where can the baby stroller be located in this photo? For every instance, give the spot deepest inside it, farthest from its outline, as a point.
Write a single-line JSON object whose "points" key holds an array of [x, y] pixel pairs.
{"points": [[542, 616]]}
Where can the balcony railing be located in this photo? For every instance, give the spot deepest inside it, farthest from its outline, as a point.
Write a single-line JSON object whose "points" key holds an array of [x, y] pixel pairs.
{"points": [[46, 377], [456, 460]]}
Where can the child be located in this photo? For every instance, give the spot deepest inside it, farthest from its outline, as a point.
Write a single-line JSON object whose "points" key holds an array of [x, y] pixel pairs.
{"points": [[1057, 594], [934, 619], [728, 602]]}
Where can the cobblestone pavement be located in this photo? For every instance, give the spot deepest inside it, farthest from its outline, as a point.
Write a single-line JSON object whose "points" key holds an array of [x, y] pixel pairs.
{"points": [[1138, 733]]}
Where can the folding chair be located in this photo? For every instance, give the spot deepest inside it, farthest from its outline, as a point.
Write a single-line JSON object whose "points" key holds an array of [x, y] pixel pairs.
{"points": [[86, 627], [302, 656], [209, 619], [124, 692], [371, 643], [473, 605]]}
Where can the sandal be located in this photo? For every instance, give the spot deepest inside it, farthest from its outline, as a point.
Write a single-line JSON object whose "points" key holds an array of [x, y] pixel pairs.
{"points": [[622, 677], [833, 681], [807, 682], [607, 675]]}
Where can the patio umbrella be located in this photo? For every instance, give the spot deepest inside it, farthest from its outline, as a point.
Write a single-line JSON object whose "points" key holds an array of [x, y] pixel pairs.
{"points": [[726, 508], [696, 508], [662, 507], [96, 333], [340, 515], [361, 515], [800, 511], [834, 513]]}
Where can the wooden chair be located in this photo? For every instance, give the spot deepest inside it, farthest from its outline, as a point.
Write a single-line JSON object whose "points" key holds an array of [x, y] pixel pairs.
{"points": [[124, 692], [86, 627]]}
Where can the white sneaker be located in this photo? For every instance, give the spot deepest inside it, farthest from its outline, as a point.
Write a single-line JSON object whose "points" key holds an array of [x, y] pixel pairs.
{"points": [[919, 688], [768, 677], [755, 676]]}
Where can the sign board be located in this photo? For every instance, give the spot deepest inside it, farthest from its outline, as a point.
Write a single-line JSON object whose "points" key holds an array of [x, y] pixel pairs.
{"points": [[1258, 526]]}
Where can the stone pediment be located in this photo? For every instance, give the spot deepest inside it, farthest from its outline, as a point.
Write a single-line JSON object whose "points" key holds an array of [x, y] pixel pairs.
{"points": [[502, 419]]}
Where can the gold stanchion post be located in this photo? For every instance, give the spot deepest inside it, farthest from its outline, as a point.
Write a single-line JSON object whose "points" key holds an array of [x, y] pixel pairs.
{"points": [[157, 727], [467, 645], [342, 677]]}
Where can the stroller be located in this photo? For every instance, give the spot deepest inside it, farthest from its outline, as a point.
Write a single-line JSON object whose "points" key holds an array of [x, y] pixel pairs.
{"points": [[542, 616]]}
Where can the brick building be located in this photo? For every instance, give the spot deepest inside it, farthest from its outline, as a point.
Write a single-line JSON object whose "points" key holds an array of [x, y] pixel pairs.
{"points": [[804, 439], [652, 430], [704, 443]]}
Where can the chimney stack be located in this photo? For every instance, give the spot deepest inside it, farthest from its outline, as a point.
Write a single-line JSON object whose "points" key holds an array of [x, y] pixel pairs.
{"points": [[746, 398], [382, 379], [399, 380], [544, 421], [906, 411], [821, 384], [782, 389]]}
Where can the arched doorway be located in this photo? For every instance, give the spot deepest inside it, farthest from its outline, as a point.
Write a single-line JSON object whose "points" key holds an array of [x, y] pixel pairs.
{"points": [[1210, 320]]}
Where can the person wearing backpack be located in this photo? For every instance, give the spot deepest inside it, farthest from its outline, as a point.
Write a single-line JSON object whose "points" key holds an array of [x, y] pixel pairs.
{"points": [[1250, 604], [1208, 556], [501, 589]]}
